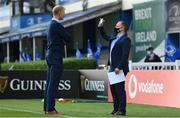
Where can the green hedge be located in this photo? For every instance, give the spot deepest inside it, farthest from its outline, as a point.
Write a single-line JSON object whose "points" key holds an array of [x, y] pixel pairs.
{"points": [[69, 64]]}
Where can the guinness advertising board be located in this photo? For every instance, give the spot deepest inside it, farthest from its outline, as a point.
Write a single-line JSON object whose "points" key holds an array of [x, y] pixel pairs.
{"points": [[31, 84], [94, 84]]}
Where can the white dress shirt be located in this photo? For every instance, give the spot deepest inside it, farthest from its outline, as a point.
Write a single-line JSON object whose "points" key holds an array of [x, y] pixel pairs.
{"points": [[56, 20], [113, 43]]}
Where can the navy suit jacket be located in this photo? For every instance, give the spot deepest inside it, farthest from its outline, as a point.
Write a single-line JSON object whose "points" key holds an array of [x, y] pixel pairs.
{"points": [[57, 37], [119, 53]]}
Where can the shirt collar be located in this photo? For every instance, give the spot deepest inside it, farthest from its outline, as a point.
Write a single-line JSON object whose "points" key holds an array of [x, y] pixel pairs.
{"points": [[56, 20], [119, 36]]}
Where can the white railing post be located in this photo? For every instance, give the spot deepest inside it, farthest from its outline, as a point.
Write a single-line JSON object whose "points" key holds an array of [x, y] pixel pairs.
{"points": [[154, 66], [130, 65], [177, 64]]}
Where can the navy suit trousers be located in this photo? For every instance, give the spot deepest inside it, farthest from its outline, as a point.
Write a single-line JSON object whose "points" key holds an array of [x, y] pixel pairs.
{"points": [[119, 96], [54, 75]]}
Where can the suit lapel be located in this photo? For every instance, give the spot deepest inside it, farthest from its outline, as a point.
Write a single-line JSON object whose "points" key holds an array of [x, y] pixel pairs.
{"points": [[120, 40]]}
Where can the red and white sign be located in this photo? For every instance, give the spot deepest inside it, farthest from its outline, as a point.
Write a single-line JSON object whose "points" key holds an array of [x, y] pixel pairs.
{"points": [[158, 87]]}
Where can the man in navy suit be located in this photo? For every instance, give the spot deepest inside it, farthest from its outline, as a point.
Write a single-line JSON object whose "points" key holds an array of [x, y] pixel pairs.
{"points": [[57, 37], [119, 48]]}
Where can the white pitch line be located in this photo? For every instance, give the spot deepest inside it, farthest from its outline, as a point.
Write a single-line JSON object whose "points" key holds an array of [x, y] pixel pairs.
{"points": [[15, 109], [22, 110]]}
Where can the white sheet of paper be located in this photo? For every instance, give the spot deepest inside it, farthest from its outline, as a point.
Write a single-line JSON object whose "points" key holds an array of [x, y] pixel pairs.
{"points": [[116, 78]]}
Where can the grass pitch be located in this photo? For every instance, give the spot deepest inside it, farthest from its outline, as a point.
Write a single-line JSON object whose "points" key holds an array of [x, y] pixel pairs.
{"points": [[33, 108]]}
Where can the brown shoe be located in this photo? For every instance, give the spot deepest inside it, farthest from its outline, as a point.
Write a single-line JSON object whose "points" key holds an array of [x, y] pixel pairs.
{"points": [[54, 112]]}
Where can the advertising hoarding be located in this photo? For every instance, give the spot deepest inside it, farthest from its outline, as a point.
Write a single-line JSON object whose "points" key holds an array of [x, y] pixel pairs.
{"points": [[158, 87], [149, 28], [31, 84]]}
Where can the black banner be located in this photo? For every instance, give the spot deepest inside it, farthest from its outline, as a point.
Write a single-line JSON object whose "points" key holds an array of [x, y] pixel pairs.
{"points": [[31, 84], [173, 15], [94, 84]]}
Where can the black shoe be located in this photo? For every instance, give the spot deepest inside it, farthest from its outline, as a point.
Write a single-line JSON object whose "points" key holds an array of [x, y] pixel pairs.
{"points": [[113, 112], [120, 113]]}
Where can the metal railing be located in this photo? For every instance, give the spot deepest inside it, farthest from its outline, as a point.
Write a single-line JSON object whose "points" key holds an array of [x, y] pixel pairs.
{"points": [[154, 65]]}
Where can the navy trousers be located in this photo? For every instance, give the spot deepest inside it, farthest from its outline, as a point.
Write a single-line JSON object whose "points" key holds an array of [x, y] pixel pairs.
{"points": [[54, 75], [119, 96]]}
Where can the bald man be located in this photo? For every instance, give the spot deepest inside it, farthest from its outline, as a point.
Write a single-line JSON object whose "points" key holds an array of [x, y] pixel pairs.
{"points": [[119, 48], [57, 37]]}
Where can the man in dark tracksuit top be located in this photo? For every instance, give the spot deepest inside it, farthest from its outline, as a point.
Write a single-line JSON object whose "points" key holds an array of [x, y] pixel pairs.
{"points": [[57, 38], [119, 47]]}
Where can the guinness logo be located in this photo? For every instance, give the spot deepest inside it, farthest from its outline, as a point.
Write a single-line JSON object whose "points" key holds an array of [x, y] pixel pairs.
{"points": [[3, 83], [91, 85]]}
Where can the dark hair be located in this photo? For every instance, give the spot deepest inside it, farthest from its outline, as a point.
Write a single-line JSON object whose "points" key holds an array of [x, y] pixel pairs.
{"points": [[125, 25]]}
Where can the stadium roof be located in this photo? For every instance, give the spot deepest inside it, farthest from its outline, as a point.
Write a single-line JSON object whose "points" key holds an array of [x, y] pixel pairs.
{"points": [[69, 20]]}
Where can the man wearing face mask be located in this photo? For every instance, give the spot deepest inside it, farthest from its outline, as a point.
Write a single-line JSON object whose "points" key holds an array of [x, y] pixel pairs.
{"points": [[151, 56], [57, 37], [119, 48]]}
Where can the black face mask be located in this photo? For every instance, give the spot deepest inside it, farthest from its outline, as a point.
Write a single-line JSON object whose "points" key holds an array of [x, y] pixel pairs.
{"points": [[117, 30]]}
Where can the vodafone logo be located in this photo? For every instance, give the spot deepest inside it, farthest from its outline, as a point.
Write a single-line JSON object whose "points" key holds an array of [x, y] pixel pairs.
{"points": [[148, 86], [132, 80]]}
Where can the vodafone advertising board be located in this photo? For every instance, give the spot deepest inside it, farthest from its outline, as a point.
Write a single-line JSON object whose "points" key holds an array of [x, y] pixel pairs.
{"points": [[159, 87]]}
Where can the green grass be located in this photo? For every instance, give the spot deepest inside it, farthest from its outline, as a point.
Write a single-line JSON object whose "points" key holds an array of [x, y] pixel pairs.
{"points": [[33, 108]]}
